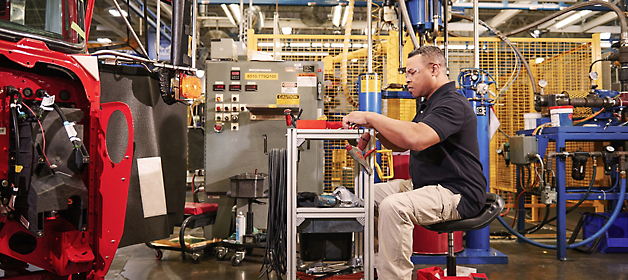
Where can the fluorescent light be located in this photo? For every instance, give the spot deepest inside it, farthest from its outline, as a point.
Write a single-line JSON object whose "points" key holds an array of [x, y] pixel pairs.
{"points": [[327, 45], [104, 40], [336, 12], [235, 10], [354, 60], [114, 12], [300, 45], [286, 30], [605, 44], [358, 45], [345, 17], [268, 44], [571, 19], [605, 35], [317, 45], [228, 13], [305, 53], [337, 45], [539, 60], [456, 47]]}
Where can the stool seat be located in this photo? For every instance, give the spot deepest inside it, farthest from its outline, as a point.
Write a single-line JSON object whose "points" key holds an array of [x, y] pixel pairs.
{"points": [[494, 205], [198, 208]]}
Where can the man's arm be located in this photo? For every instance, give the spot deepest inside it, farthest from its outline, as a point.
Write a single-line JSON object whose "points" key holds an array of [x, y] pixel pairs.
{"points": [[403, 134], [389, 145]]}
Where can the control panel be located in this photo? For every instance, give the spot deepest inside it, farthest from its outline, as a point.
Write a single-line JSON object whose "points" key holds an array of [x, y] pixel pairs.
{"points": [[245, 102]]}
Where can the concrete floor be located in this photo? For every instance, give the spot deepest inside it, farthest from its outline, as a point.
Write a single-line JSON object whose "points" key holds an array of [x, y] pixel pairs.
{"points": [[524, 262]]}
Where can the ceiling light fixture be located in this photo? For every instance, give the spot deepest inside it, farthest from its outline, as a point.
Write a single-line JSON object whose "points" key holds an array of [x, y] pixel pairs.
{"points": [[228, 13], [114, 12], [336, 12], [237, 14]]}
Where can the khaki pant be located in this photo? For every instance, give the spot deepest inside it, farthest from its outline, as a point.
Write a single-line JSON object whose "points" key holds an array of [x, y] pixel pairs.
{"points": [[400, 208]]}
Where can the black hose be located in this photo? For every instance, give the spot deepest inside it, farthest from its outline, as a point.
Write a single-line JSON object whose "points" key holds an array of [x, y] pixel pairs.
{"points": [[594, 62], [540, 225], [16, 180], [510, 44], [276, 240], [546, 220]]}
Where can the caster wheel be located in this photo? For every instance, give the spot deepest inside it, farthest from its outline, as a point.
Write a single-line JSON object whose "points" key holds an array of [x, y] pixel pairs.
{"points": [[159, 254], [236, 260], [221, 254], [196, 258]]}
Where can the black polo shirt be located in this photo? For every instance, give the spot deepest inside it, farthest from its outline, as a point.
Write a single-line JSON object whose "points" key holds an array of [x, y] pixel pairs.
{"points": [[454, 162]]}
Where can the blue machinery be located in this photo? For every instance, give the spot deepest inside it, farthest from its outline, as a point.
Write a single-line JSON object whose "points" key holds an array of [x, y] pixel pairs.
{"points": [[561, 135]]}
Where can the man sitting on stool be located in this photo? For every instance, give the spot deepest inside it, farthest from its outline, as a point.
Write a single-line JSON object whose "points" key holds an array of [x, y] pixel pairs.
{"points": [[447, 180]]}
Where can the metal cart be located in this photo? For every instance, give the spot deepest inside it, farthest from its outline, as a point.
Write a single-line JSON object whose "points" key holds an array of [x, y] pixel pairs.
{"points": [[197, 215]]}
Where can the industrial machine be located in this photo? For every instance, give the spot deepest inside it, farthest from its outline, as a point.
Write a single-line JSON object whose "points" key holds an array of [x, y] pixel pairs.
{"points": [[246, 108], [605, 124]]}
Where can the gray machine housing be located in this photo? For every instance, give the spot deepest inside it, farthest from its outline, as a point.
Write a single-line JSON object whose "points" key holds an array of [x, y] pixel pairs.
{"points": [[522, 148], [239, 147]]}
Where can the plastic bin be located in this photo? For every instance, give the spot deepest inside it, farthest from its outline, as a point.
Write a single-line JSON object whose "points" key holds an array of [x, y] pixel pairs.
{"points": [[615, 240]]}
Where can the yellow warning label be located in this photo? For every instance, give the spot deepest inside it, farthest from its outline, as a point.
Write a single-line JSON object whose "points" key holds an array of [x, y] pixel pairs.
{"points": [[261, 76], [287, 99], [369, 83]]}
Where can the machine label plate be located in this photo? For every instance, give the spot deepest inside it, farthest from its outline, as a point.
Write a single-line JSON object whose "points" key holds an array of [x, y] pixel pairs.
{"points": [[369, 83], [261, 76], [306, 80], [287, 99]]}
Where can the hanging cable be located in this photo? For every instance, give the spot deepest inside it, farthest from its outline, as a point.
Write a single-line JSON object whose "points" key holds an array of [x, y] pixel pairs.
{"points": [[276, 239], [15, 101], [43, 134]]}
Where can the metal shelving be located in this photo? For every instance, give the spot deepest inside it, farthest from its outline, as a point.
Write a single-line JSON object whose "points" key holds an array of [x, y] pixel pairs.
{"points": [[363, 187]]}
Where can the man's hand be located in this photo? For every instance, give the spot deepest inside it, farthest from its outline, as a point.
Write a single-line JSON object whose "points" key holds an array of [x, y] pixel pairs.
{"points": [[358, 118]]}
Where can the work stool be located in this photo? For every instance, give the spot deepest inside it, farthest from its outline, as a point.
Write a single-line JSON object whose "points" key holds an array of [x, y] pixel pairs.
{"points": [[494, 205], [197, 214]]}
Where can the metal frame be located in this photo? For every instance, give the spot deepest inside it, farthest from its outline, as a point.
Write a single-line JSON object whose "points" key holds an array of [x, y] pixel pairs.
{"points": [[561, 135], [363, 187]]}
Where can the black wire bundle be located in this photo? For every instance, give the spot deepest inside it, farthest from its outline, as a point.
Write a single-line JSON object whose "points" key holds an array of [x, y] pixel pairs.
{"points": [[276, 240]]}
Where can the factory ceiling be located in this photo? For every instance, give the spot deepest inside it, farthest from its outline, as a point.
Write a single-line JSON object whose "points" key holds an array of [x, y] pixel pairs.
{"points": [[318, 19]]}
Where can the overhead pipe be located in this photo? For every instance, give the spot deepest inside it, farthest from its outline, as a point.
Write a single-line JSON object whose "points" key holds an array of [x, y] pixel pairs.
{"points": [[476, 35], [138, 10], [128, 25], [401, 44], [446, 33], [409, 26], [158, 30], [241, 22], [617, 10], [369, 36]]}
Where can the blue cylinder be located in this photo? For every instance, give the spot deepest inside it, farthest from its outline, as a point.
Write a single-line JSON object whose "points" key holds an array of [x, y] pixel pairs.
{"points": [[369, 93], [479, 239], [422, 14]]}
